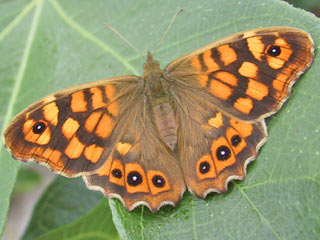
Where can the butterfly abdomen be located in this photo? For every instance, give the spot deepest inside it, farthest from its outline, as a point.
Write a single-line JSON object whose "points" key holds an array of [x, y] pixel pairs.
{"points": [[166, 124]]}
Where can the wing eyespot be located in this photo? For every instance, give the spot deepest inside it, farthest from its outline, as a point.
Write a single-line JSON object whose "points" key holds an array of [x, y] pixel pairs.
{"points": [[39, 127], [223, 153], [235, 140], [274, 51], [116, 173], [134, 178], [158, 181], [204, 167]]}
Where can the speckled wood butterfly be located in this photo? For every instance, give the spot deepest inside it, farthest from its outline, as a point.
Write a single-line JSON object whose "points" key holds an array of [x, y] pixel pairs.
{"points": [[194, 125]]}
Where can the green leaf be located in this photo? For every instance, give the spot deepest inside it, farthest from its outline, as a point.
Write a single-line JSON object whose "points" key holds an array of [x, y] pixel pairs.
{"points": [[27, 180], [311, 4], [97, 225], [48, 45], [67, 210], [14, 47]]}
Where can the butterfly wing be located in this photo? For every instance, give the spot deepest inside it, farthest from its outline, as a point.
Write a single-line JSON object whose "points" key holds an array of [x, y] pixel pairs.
{"points": [[222, 94], [215, 149], [249, 74], [102, 130], [72, 131]]}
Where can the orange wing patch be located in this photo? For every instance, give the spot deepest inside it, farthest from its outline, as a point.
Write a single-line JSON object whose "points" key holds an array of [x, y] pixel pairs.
{"points": [[105, 169], [245, 129], [227, 78], [195, 62], [257, 90], [203, 80], [235, 140], [216, 121], [78, 102], [136, 180], [281, 83], [244, 105], [227, 55], [117, 173], [205, 167], [220, 90], [113, 108], [123, 148], [92, 121], [249, 69], [158, 182], [209, 62], [205, 63], [70, 127], [109, 91], [51, 157], [97, 98], [42, 138], [105, 126], [222, 154], [93, 153], [256, 47], [50, 113], [285, 53], [74, 148]]}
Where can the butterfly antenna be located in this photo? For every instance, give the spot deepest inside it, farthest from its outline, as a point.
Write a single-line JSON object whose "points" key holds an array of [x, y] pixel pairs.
{"points": [[124, 39], [167, 30]]}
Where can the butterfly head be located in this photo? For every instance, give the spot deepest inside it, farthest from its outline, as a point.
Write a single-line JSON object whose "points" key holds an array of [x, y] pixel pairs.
{"points": [[151, 68]]}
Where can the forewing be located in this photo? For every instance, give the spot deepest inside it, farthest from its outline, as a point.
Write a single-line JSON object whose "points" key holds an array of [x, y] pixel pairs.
{"points": [[249, 75], [73, 131]]}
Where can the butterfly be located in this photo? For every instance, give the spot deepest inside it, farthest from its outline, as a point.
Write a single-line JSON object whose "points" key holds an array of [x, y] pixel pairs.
{"points": [[194, 125]]}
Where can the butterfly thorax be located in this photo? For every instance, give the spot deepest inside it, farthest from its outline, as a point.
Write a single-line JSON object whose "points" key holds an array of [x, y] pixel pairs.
{"points": [[156, 90]]}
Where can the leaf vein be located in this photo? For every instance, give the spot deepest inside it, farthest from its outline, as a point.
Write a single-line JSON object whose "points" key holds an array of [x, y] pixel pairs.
{"points": [[84, 33], [254, 207]]}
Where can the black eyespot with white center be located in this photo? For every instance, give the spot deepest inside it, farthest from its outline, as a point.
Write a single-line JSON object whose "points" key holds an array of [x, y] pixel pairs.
{"points": [[39, 127], [116, 173], [274, 51], [223, 153], [235, 140], [158, 181], [204, 167], [134, 178]]}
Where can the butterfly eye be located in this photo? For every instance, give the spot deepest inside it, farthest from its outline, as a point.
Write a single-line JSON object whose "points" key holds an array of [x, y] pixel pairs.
{"points": [[235, 140], [204, 167], [158, 181], [223, 153], [274, 51], [134, 178], [116, 173], [39, 127]]}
